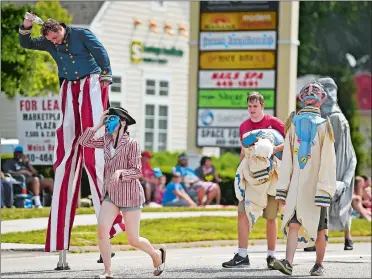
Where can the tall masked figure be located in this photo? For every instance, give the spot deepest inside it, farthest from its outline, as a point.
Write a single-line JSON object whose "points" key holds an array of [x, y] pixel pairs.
{"points": [[257, 174], [307, 180], [340, 210]]}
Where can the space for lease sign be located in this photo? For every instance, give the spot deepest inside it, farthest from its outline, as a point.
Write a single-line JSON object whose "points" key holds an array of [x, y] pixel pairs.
{"points": [[226, 137]]}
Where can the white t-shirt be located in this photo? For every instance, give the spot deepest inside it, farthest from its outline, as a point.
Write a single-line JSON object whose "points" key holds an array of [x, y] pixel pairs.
{"points": [[112, 150]]}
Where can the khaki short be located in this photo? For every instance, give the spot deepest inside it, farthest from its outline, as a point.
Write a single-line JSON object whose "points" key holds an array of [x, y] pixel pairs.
{"points": [[271, 210]]}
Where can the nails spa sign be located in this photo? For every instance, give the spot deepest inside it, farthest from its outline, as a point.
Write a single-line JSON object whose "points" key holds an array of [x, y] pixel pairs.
{"points": [[237, 79]]}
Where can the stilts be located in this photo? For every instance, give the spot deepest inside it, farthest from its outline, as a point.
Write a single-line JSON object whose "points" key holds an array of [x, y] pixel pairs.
{"points": [[62, 263]]}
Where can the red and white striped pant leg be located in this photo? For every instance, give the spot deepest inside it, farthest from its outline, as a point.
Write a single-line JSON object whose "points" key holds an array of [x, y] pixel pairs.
{"points": [[94, 102], [67, 169]]}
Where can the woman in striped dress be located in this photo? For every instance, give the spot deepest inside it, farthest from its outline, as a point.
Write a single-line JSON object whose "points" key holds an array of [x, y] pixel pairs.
{"points": [[122, 189]]}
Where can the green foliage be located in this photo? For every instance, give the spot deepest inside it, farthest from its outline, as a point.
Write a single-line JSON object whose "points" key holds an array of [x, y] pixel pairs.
{"points": [[348, 104], [323, 25], [23, 71]]}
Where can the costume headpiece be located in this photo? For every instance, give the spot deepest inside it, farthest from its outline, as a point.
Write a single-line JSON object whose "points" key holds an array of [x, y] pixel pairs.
{"points": [[313, 91]]}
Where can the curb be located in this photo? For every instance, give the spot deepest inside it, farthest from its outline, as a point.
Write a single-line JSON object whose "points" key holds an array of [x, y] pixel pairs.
{"points": [[199, 244]]}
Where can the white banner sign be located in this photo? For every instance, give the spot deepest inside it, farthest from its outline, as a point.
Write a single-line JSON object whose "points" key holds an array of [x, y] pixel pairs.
{"points": [[37, 120], [223, 137], [222, 117], [238, 40], [237, 79]]}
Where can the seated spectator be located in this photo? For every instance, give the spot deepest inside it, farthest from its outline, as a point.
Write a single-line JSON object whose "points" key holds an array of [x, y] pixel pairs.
{"points": [[160, 186], [175, 195], [366, 197], [358, 199], [192, 182], [148, 179], [207, 172], [6, 192], [21, 165]]}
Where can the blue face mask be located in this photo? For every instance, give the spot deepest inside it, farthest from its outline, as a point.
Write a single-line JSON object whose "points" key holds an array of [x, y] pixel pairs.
{"points": [[111, 123]]}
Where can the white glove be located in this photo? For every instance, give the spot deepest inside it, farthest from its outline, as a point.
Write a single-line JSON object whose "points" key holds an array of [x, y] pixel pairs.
{"points": [[263, 148], [33, 18]]}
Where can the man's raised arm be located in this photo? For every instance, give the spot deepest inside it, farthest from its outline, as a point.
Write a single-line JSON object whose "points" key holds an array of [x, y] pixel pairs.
{"points": [[25, 39]]}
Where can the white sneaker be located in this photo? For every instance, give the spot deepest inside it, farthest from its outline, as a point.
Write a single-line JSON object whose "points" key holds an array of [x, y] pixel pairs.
{"points": [[38, 206]]}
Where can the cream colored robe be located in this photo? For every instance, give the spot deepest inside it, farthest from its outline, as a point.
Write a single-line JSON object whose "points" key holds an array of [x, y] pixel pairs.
{"points": [[315, 184], [255, 190]]}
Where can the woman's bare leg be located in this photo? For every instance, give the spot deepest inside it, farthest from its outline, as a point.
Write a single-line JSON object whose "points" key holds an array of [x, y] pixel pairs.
{"points": [[106, 218], [132, 227]]}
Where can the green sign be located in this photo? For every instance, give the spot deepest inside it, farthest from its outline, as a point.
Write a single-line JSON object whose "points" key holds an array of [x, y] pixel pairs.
{"points": [[138, 52], [221, 98], [160, 50]]}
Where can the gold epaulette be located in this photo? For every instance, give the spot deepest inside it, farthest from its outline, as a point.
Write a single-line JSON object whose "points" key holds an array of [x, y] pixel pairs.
{"points": [[24, 32], [330, 130], [288, 122]]}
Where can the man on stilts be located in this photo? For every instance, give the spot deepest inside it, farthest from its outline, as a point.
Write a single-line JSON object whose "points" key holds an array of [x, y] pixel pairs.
{"points": [[85, 74]]}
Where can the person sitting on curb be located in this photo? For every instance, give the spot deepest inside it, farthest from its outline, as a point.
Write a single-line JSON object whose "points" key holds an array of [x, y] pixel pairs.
{"points": [[175, 195]]}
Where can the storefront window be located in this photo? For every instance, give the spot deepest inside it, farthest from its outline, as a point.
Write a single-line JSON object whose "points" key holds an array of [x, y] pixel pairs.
{"points": [[157, 92]]}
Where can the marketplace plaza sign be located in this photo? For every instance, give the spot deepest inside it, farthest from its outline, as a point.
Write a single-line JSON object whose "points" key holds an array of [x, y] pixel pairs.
{"points": [[237, 99], [138, 50]]}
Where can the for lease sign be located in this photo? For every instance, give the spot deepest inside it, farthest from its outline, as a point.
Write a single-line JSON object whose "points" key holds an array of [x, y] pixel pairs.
{"points": [[37, 120]]}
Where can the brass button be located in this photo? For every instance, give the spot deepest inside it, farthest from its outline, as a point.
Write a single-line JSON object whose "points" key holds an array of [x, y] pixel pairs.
{"points": [[73, 62], [64, 41], [66, 45], [65, 73], [104, 72], [77, 77], [76, 73], [61, 57], [66, 49]]}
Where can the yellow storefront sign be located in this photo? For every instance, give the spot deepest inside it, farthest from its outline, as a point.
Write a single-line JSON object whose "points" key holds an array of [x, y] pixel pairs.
{"points": [[227, 60], [238, 21]]}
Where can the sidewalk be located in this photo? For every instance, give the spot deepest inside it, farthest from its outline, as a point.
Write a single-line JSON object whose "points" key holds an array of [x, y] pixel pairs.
{"points": [[217, 243], [24, 225]]}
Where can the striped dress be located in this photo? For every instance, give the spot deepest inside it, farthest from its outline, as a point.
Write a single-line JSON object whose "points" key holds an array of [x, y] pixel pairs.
{"points": [[122, 170]]}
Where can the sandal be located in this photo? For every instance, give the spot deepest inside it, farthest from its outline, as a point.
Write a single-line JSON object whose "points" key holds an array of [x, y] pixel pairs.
{"points": [[105, 276], [100, 260], [160, 268]]}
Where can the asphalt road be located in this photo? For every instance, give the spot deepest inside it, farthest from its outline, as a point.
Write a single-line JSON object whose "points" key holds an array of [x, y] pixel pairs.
{"points": [[188, 263]]}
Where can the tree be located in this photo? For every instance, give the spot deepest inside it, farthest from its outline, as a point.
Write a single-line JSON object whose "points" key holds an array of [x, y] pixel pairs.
{"points": [[23, 71], [327, 31]]}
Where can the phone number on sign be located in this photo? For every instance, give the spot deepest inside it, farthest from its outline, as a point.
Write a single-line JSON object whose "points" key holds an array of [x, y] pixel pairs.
{"points": [[37, 134], [46, 157]]}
